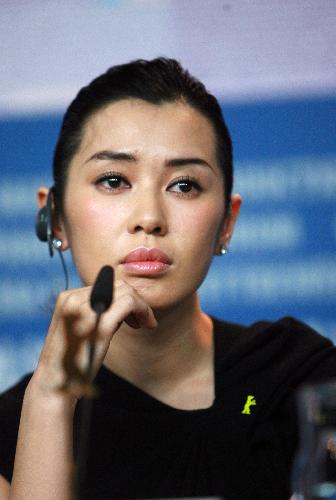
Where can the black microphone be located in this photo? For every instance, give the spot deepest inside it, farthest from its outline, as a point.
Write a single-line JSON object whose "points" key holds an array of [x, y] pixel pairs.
{"points": [[102, 291], [100, 300]]}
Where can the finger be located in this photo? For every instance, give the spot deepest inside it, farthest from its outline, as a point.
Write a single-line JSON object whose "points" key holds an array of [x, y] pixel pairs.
{"points": [[67, 303], [142, 318], [72, 320], [142, 314], [129, 308]]}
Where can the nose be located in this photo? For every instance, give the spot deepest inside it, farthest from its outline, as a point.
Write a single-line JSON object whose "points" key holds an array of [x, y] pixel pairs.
{"points": [[148, 214]]}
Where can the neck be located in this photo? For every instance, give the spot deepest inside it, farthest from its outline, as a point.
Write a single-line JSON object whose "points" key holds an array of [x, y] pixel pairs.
{"points": [[180, 345]]}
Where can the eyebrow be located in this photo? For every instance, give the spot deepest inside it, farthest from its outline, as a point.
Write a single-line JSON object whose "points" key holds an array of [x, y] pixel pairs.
{"points": [[111, 155], [129, 158]]}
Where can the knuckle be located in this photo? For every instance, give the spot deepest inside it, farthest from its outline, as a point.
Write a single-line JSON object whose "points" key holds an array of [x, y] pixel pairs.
{"points": [[61, 298], [130, 302], [71, 302], [122, 287], [120, 282]]}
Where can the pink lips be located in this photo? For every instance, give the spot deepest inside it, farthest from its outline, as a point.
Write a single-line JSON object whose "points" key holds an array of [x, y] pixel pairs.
{"points": [[145, 261]]}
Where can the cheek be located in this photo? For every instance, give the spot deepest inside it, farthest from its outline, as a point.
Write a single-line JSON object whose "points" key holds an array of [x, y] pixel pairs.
{"points": [[92, 214], [90, 221], [200, 227], [82, 218], [196, 239], [92, 230]]}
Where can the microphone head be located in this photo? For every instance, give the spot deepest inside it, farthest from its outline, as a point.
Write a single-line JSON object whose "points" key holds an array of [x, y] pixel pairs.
{"points": [[102, 291]]}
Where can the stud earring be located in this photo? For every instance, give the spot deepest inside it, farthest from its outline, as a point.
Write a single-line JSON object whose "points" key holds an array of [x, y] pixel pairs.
{"points": [[223, 250], [57, 244]]}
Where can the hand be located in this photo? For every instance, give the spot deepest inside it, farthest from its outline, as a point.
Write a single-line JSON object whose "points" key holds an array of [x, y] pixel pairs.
{"points": [[64, 356]]}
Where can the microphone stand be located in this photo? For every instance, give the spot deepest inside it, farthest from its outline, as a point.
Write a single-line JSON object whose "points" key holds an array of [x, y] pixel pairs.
{"points": [[85, 422], [100, 301]]}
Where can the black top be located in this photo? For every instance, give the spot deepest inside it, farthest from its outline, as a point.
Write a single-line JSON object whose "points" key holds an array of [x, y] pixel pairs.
{"points": [[240, 448]]}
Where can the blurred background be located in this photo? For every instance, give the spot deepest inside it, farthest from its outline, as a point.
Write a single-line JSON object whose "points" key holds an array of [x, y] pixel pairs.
{"points": [[271, 64]]}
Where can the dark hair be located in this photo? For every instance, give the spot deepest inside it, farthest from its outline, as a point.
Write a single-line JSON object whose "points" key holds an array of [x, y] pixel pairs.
{"points": [[157, 81]]}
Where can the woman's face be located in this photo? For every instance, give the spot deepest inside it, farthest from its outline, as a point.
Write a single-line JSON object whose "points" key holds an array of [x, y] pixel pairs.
{"points": [[146, 177]]}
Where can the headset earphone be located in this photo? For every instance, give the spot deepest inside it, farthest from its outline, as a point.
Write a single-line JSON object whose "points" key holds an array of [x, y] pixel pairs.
{"points": [[44, 231]]}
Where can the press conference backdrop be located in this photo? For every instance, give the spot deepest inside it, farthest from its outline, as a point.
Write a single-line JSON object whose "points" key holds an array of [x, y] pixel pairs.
{"points": [[282, 256]]}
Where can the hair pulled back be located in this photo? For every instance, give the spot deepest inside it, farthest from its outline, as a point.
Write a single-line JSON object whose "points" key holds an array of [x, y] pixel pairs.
{"points": [[157, 81]]}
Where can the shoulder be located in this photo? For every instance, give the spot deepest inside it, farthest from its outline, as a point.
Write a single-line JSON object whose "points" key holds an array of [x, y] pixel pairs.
{"points": [[11, 404], [10, 412], [13, 396], [285, 331], [291, 337], [284, 345]]}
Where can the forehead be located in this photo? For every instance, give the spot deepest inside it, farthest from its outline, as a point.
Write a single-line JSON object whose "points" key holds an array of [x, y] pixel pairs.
{"points": [[173, 127]]}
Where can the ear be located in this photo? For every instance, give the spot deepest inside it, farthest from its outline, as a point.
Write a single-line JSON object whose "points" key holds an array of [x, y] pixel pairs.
{"points": [[229, 223], [42, 195], [57, 224]]}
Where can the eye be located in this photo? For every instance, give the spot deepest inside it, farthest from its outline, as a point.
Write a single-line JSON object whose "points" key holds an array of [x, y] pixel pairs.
{"points": [[185, 186], [113, 181]]}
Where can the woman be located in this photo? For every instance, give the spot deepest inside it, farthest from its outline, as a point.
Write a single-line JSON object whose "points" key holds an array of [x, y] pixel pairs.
{"points": [[188, 405]]}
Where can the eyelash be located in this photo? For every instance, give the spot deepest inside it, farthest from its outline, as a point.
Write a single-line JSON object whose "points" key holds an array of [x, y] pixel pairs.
{"points": [[191, 182], [115, 176], [187, 180]]}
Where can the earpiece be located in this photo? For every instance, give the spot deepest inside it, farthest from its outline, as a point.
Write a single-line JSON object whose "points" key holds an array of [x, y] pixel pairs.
{"points": [[44, 232], [43, 225]]}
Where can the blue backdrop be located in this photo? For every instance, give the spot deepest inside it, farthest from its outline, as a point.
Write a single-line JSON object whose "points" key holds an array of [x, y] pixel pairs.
{"points": [[282, 256]]}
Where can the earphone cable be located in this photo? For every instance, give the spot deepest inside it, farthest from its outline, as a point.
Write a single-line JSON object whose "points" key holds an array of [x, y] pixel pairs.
{"points": [[65, 270]]}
